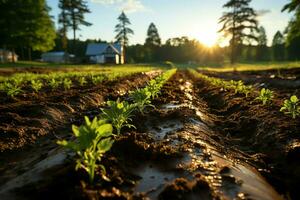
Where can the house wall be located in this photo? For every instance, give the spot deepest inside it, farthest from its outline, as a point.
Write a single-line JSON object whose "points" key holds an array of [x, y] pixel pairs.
{"points": [[53, 59]]}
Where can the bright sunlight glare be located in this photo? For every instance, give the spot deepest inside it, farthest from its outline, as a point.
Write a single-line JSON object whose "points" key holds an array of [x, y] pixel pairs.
{"points": [[206, 33], [208, 38]]}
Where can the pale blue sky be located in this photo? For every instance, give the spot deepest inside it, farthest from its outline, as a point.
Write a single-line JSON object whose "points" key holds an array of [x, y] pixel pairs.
{"points": [[193, 18]]}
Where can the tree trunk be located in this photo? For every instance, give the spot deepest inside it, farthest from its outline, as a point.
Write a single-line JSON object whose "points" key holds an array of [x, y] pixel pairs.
{"points": [[74, 39], [29, 53], [13, 55]]}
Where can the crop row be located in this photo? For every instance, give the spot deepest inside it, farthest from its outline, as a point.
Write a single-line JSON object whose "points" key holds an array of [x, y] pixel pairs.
{"points": [[94, 138], [290, 106], [29, 82]]}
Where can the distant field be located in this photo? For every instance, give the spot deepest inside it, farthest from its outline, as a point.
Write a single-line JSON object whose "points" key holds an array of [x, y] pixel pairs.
{"points": [[253, 66], [38, 67]]}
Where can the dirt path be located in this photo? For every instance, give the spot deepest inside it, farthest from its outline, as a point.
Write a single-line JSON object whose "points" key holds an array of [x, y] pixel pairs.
{"points": [[175, 153]]}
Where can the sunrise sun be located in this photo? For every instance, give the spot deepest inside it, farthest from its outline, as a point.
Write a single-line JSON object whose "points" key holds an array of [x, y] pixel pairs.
{"points": [[208, 38]]}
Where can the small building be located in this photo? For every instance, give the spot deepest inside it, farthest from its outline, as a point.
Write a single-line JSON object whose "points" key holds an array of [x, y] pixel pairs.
{"points": [[8, 56], [105, 53], [56, 57]]}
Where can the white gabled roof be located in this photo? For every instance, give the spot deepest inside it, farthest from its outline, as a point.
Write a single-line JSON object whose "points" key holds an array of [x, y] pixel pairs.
{"points": [[100, 48]]}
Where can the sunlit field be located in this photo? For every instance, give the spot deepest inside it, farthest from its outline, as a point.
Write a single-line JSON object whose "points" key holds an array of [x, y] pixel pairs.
{"points": [[253, 66], [150, 100]]}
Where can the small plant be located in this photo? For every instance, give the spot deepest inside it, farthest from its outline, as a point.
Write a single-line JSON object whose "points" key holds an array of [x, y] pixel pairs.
{"points": [[36, 85], [93, 139], [246, 90], [82, 81], [67, 83], [97, 79], [265, 96], [11, 89], [53, 83], [119, 114], [154, 88], [141, 98], [291, 107]]}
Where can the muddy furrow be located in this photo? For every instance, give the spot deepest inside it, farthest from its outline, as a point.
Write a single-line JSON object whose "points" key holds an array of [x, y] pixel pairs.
{"points": [[176, 152], [262, 131], [205, 169], [285, 81], [26, 156], [23, 122]]}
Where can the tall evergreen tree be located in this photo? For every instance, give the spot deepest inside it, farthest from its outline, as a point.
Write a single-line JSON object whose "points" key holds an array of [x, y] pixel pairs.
{"points": [[293, 31], [292, 6], [26, 24], [153, 38], [123, 31], [262, 51], [64, 21], [238, 24], [75, 11], [278, 49]]}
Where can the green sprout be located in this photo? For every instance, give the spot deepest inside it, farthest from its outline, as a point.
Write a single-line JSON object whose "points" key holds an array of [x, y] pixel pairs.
{"points": [[36, 85], [119, 114], [93, 139], [291, 107], [265, 96], [154, 88], [67, 83], [141, 98], [11, 89], [97, 79], [82, 81], [53, 83]]}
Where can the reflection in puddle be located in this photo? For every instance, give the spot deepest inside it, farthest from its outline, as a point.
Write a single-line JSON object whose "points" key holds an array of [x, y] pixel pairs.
{"points": [[164, 128]]}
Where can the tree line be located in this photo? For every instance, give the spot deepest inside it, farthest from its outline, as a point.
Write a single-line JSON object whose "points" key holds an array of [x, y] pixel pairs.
{"points": [[28, 29]]}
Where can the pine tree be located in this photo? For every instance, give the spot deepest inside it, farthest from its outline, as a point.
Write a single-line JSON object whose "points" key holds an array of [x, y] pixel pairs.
{"points": [[293, 31], [292, 6], [278, 50], [262, 51], [122, 30], [153, 38], [75, 10], [65, 22], [238, 24]]}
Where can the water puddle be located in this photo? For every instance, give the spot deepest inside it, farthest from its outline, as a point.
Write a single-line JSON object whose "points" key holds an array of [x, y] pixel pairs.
{"points": [[160, 130], [37, 172]]}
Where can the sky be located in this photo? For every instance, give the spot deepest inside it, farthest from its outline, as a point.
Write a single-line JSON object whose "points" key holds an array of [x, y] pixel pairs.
{"points": [[197, 19]]}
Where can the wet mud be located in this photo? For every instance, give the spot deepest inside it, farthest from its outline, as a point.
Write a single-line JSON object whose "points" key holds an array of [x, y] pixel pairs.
{"points": [[178, 151]]}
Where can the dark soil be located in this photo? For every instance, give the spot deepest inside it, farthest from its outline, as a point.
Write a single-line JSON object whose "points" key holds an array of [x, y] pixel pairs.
{"points": [[261, 131], [197, 143], [281, 80]]}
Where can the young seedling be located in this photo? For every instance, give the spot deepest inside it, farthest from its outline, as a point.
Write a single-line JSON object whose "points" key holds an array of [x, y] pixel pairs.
{"points": [[93, 139], [154, 88], [36, 85], [265, 96], [53, 83], [82, 81], [141, 98], [11, 89], [291, 107], [67, 83], [97, 79], [119, 114]]}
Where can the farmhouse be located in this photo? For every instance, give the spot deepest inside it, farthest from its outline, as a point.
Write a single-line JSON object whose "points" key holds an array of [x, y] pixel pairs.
{"points": [[8, 56], [111, 53], [56, 57]]}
